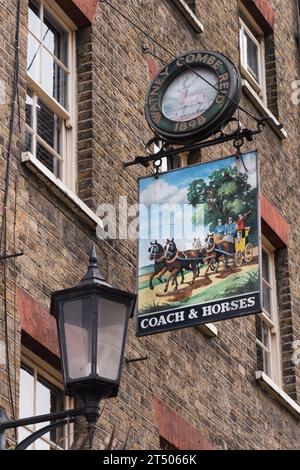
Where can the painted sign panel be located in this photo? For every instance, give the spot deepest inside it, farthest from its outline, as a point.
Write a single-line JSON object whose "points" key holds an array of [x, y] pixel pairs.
{"points": [[199, 248]]}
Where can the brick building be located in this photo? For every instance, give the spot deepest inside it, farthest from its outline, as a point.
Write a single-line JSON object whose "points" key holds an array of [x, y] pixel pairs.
{"points": [[78, 115]]}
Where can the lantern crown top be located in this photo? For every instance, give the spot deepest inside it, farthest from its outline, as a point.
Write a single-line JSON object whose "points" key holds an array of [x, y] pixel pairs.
{"points": [[93, 275]]}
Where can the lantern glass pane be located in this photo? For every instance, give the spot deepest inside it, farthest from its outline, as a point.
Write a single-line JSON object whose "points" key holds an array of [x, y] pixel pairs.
{"points": [[78, 336], [111, 331]]}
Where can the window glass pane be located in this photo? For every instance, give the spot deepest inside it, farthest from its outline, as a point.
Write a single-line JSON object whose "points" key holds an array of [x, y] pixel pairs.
{"points": [[33, 58], [27, 147], [45, 157], [48, 400], [29, 110], [26, 392], [263, 354], [48, 126], [22, 434], [55, 39], [34, 22], [252, 57], [266, 297], [78, 336], [265, 266], [26, 399], [111, 324], [54, 79]]}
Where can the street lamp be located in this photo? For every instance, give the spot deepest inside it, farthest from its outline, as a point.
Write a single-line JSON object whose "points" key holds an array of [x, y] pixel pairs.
{"points": [[92, 321]]}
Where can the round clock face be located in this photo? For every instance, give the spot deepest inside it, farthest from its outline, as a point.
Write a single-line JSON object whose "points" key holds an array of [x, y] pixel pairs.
{"points": [[192, 97], [188, 96]]}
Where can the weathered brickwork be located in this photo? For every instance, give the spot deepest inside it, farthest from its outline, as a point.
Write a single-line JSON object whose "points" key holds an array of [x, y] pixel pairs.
{"points": [[209, 382]]}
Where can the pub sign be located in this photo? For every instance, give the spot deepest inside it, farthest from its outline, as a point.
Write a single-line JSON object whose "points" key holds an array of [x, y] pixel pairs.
{"points": [[199, 245]]}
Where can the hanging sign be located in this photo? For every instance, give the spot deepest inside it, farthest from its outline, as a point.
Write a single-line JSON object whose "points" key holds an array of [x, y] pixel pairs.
{"points": [[199, 248], [193, 96]]}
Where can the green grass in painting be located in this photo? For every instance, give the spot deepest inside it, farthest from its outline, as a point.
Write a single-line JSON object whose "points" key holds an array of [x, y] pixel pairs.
{"points": [[231, 287]]}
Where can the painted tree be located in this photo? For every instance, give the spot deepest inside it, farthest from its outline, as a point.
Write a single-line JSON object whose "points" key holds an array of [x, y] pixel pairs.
{"points": [[225, 194]]}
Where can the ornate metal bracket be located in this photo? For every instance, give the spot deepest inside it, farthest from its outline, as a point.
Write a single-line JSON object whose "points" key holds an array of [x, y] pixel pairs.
{"points": [[167, 149], [56, 420]]}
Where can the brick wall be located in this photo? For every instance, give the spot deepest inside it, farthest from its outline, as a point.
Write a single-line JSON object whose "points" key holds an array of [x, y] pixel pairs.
{"points": [[210, 383]]}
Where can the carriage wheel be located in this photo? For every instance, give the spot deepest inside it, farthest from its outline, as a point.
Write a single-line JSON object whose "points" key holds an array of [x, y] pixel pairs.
{"points": [[238, 259], [249, 253]]}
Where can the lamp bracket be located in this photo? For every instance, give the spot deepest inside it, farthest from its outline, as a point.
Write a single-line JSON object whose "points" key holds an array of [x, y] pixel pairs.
{"points": [[170, 149], [14, 255], [137, 359]]}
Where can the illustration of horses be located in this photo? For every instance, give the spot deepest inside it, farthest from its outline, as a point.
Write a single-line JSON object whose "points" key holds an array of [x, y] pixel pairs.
{"points": [[215, 250], [178, 260], [157, 254]]}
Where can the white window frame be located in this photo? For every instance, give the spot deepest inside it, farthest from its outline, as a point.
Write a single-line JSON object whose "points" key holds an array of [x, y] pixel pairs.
{"points": [[67, 157], [189, 15], [257, 36], [270, 321], [53, 377]]}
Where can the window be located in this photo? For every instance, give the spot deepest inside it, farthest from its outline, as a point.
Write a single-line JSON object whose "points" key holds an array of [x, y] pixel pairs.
{"points": [[50, 102], [188, 9], [267, 323], [252, 47], [41, 392]]}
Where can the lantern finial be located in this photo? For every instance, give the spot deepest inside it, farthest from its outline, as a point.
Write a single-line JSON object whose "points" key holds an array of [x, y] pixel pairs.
{"points": [[93, 275]]}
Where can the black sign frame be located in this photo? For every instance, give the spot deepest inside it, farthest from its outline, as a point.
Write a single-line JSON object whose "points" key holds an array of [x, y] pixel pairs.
{"points": [[206, 124]]}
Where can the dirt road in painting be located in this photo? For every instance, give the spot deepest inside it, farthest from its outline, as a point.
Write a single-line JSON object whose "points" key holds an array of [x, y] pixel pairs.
{"points": [[215, 286]]}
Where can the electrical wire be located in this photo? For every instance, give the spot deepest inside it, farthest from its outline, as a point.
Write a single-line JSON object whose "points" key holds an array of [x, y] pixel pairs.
{"points": [[4, 233], [153, 40], [15, 284]]}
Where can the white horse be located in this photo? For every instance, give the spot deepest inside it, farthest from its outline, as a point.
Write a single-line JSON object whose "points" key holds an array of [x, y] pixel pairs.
{"points": [[197, 245]]}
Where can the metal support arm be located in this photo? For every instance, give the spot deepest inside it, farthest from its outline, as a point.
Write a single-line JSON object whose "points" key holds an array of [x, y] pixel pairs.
{"points": [[37, 434], [239, 135], [56, 420]]}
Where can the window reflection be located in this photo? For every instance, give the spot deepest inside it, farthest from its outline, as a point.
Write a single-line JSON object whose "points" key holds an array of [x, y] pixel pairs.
{"points": [[252, 57], [54, 39], [34, 22], [47, 51], [33, 58], [48, 125], [38, 397]]}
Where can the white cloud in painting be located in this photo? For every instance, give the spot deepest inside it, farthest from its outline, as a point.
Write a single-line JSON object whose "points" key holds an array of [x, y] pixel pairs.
{"points": [[160, 192]]}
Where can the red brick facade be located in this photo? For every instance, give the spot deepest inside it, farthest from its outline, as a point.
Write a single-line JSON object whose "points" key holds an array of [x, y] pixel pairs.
{"points": [[262, 11], [82, 12], [36, 322], [274, 224], [178, 432]]}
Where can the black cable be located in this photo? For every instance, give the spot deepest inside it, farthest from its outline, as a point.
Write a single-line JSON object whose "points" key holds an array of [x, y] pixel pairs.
{"points": [[145, 33], [15, 285], [5, 199]]}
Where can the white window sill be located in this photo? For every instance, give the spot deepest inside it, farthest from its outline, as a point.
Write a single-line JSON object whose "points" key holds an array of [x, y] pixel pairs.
{"points": [[263, 109], [189, 16], [277, 393], [208, 329], [61, 190]]}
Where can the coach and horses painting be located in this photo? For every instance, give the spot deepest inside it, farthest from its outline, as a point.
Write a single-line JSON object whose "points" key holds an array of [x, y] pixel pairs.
{"points": [[198, 235]]}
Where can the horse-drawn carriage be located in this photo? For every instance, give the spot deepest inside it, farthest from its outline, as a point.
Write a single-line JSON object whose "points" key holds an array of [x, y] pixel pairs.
{"points": [[169, 259], [242, 249]]}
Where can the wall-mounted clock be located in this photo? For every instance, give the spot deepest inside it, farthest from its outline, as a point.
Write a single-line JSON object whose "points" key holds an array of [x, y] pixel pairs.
{"points": [[193, 96]]}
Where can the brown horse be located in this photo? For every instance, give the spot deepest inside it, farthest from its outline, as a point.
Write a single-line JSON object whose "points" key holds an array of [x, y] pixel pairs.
{"points": [[179, 260], [212, 254], [157, 254]]}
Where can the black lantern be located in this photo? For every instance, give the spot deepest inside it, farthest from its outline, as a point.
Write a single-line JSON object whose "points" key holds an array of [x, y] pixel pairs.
{"points": [[92, 321]]}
